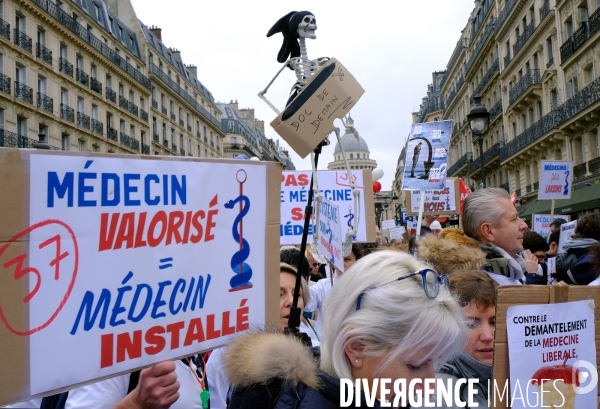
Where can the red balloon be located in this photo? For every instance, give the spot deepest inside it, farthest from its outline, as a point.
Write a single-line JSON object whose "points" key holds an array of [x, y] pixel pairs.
{"points": [[376, 187]]}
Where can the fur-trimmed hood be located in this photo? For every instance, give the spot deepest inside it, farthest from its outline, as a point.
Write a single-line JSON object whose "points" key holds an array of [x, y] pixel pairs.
{"points": [[257, 357], [450, 252]]}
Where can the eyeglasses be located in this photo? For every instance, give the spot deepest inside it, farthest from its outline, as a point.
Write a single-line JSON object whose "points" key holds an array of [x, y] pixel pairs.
{"points": [[431, 284], [540, 258], [315, 264]]}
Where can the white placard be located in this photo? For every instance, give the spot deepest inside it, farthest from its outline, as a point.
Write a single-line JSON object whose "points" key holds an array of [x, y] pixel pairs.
{"points": [[149, 260], [388, 224], [441, 201], [556, 179], [554, 344], [397, 232], [551, 269], [330, 233], [541, 223], [566, 231], [334, 186]]}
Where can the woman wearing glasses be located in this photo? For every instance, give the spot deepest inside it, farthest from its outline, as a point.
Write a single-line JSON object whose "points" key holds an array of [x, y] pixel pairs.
{"points": [[389, 316], [476, 292]]}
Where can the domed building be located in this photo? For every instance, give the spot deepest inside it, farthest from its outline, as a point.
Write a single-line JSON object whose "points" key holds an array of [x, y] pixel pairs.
{"points": [[357, 152]]}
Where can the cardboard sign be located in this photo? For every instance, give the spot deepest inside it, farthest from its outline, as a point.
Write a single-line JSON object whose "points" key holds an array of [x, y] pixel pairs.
{"points": [[334, 186], [548, 342], [397, 232], [508, 296], [556, 179], [541, 223], [427, 156], [330, 233], [439, 201], [388, 224], [330, 93], [566, 231], [114, 262]]}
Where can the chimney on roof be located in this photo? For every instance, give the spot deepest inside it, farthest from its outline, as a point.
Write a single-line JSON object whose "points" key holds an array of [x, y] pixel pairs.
{"points": [[234, 105], [174, 50], [156, 32], [193, 70], [260, 125]]}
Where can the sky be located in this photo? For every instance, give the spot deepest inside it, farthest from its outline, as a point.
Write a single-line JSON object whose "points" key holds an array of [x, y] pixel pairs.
{"points": [[390, 47]]}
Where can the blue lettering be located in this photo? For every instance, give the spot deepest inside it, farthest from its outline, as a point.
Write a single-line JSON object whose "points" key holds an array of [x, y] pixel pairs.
{"points": [[178, 189], [136, 296], [158, 302], [199, 294], [147, 199], [347, 194], [83, 188], [66, 187], [179, 283], [294, 196], [116, 189], [86, 306], [127, 178]]}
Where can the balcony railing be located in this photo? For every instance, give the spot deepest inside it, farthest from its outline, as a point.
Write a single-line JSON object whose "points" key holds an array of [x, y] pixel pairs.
{"points": [[165, 142], [531, 77], [580, 101], [174, 147], [133, 108], [155, 138], [181, 122], [240, 146], [428, 108], [594, 165], [172, 116], [83, 33], [485, 80], [518, 192], [23, 92], [125, 140], [198, 135], [154, 104], [535, 131], [523, 38], [506, 60], [496, 110], [580, 170], [164, 110], [23, 40], [459, 164], [488, 155], [550, 62], [145, 149], [135, 144], [97, 126], [5, 84], [144, 115], [587, 29], [182, 152], [43, 53], [505, 186], [96, 85], [123, 102], [45, 102], [544, 10], [189, 128], [459, 84], [83, 120], [12, 140], [66, 112], [111, 95], [528, 188], [4, 29], [536, 186], [112, 134], [504, 13], [82, 77], [489, 29], [65, 67]]}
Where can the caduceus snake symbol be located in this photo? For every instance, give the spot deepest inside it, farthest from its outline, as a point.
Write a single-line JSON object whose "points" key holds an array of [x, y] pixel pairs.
{"points": [[566, 192], [243, 271]]}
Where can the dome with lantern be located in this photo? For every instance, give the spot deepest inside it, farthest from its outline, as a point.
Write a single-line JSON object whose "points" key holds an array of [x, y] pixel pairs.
{"points": [[356, 149]]}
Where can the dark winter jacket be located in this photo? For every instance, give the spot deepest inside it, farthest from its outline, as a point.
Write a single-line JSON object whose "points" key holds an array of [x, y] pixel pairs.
{"points": [[575, 266], [464, 366]]}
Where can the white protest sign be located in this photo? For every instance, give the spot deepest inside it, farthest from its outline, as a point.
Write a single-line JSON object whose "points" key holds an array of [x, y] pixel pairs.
{"points": [[388, 224], [436, 201], [566, 231], [551, 268], [397, 232], [134, 261], [411, 227], [541, 223], [335, 187], [556, 179], [550, 347], [330, 233]]}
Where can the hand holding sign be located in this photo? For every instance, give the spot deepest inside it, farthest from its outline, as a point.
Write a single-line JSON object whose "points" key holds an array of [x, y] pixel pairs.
{"points": [[158, 388]]}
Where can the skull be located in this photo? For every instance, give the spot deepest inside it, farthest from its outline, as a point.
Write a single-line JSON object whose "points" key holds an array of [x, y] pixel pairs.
{"points": [[307, 27]]}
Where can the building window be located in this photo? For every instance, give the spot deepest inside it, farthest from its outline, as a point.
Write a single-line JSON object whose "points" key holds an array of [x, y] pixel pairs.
{"points": [[66, 142], [132, 131], [81, 145]]}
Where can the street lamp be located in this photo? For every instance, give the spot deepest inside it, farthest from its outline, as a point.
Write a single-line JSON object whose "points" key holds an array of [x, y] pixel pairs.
{"points": [[479, 121]]}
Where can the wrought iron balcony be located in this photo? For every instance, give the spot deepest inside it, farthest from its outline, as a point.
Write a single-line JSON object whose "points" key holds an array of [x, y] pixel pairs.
{"points": [[459, 84], [174, 147], [164, 110], [428, 108], [190, 154], [172, 116], [23, 40], [523, 38], [97, 126], [65, 67], [505, 186], [550, 62], [12, 140], [45, 102], [488, 156], [123, 102], [531, 77], [580, 170], [4, 29], [96, 85], [144, 115], [43, 53], [154, 104], [165, 142], [496, 110], [536, 186], [111, 95], [66, 112], [135, 144], [125, 140], [181, 122], [580, 101], [155, 138], [504, 13], [5, 84], [212, 144], [535, 131], [189, 128], [594, 165], [23, 92], [544, 10], [198, 135], [112, 134], [133, 108], [506, 60], [528, 188], [182, 152], [83, 120], [145, 149], [485, 80], [489, 29], [82, 77], [579, 37]]}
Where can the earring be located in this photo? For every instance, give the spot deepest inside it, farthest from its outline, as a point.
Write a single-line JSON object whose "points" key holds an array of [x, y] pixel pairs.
{"points": [[356, 361]]}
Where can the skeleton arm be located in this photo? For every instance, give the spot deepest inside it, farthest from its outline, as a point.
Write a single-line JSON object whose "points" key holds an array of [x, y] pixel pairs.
{"points": [[262, 93]]}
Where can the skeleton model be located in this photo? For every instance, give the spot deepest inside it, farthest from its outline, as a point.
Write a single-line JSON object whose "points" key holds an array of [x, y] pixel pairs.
{"points": [[296, 27]]}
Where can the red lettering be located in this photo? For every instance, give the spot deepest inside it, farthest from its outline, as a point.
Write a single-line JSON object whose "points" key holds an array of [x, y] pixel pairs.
{"points": [[106, 350], [139, 240], [156, 341], [174, 329], [194, 332], [303, 179], [199, 215], [126, 231], [210, 224], [186, 229], [297, 213], [158, 217], [106, 240], [175, 221], [131, 347], [211, 332], [291, 180], [227, 330]]}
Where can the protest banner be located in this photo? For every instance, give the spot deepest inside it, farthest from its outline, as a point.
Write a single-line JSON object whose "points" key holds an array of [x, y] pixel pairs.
{"points": [[556, 179], [545, 345], [397, 233], [541, 223], [388, 224], [334, 186], [111, 262], [330, 233], [464, 192], [566, 231], [439, 202], [543, 297]]}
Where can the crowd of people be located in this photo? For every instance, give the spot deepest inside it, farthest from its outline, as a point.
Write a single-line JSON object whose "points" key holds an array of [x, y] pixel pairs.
{"points": [[423, 309]]}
